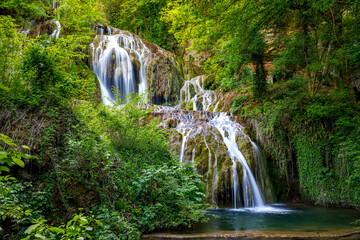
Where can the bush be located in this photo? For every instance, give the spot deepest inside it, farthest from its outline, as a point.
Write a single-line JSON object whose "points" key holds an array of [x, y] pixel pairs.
{"points": [[168, 197]]}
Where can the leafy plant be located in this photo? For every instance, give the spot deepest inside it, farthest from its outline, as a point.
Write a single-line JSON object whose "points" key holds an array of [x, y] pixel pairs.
{"points": [[168, 197], [79, 227], [9, 154]]}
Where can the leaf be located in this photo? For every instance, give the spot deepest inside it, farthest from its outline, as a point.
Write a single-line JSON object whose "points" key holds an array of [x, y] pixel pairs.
{"points": [[3, 155], [28, 156], [31, 228], [7, 160], [57, 230], [25, 147], [3, 168], [18, 162], [98, 222], [40, 236]]}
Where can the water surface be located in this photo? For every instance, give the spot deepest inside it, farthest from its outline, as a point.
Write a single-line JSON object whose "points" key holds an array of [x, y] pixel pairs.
{"points": [[279, 218], [275, 221]]}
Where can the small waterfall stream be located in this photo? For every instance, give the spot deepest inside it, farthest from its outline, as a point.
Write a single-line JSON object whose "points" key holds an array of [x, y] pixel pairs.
{"points": [[56, 33], [208, 138], [193, 91]]}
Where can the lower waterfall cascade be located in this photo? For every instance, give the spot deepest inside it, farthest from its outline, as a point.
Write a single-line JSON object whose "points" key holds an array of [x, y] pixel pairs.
{"points": [[121, 61]]}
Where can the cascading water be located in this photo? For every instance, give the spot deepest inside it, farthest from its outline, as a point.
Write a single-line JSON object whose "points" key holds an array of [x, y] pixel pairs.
{"points": [[56, 33], [55, 4], [209, 135], [119, 61], [193, 91], [217, 125], [228, 130]]}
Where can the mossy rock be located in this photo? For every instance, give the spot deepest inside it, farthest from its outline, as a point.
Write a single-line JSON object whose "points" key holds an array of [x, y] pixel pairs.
{"points": [[175, 138], [188, 151], [201, 158], [224, 186], [208, 82], [135, 62], [246, 149], [171, 123], [239, 169]]}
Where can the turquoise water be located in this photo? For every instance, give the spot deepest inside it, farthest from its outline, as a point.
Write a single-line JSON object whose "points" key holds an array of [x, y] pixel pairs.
{"points": [[279, 218]]}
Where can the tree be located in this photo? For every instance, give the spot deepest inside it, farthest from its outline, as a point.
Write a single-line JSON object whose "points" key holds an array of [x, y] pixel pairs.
{"points": [[10, 45], [24, 10], [317, 29], [141, 17]]}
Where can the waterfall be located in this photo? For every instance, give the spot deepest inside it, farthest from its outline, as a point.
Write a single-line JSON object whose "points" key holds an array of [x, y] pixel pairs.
{"points": [[191, 126], [214, 133], [119, 61], [55, 34], [193, 91], [229, 130], [55, 4]]}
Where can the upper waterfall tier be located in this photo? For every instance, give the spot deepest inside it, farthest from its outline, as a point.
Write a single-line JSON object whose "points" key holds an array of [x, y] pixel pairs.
{"points": [[120, 61], [125, 63]]}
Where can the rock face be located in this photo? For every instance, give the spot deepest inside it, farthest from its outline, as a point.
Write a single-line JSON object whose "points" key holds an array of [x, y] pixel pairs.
{"points": [[123, 60]]}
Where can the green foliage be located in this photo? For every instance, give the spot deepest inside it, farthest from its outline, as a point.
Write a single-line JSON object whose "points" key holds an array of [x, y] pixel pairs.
{"points": [[142, 18], [237, 82], [10, 45], [318, 39], [168, 197], [78, 16], [115, 226], [238, 103], [321, 129], [23, 10], [12, 207], [105, 151], [132, 135], [39, 68], [79, 227], [9, 154], [257, 52]]}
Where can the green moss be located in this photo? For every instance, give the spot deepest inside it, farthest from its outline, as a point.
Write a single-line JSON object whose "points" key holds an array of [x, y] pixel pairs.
{"points": [[201, 156], [246, 148], [208, 82], [224, 186]]}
